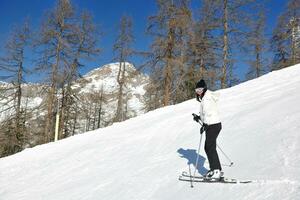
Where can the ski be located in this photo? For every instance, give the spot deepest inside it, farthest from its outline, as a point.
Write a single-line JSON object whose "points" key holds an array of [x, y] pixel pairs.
{"points": [[186, 177], [222, 180], [186, 174]]}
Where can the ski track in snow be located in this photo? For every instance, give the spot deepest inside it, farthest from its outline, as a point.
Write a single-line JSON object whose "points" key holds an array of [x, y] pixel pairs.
{"points": [[141, 158]]}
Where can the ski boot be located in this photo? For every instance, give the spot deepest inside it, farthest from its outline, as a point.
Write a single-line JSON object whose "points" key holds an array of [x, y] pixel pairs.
{"points": [[214, 175]]}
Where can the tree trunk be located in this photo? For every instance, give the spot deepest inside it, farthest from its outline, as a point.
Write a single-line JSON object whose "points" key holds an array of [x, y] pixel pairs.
{"points": [[18, 109], [225, 43], [258, 62], [51, 98], [120, 80], [168, 69]]}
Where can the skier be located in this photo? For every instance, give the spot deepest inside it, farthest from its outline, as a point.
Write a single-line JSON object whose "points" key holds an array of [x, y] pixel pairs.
{"points": [[209, 115]]}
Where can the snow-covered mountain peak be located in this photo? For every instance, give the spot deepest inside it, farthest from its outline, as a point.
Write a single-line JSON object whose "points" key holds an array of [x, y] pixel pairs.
{"points": [[111, 69], [106, 77]]}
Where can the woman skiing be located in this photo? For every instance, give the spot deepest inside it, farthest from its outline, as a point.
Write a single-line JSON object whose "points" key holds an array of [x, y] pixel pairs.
{"points": [[209, 115]]}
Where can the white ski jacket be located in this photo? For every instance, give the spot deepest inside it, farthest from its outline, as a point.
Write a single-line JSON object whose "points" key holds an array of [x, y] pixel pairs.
{"points": [[209, 111]]}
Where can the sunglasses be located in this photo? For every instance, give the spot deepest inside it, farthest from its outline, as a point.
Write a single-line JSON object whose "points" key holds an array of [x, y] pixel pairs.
{"points": [[199, 90]]}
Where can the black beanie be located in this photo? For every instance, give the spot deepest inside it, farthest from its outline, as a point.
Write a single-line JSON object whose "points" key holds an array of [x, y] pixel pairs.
{"points": [[201, 84]]}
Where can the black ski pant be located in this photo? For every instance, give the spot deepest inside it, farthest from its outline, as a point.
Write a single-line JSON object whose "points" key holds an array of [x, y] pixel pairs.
{"points": [[210, 147]]}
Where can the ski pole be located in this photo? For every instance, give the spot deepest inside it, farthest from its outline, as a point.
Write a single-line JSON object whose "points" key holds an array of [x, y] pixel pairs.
{"points": [[197, 160], [231, 163]]}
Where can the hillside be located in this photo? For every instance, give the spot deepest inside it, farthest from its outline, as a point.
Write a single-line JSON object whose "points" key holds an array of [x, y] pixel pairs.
{"points": [[142, 157], [96, 96], [104, 77]]}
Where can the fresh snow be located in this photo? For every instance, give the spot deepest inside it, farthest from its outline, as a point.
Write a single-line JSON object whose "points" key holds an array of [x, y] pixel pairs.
{"points": [[142, 157]]}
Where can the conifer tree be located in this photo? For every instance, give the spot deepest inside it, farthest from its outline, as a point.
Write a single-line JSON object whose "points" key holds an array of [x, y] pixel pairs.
{"points": [[286, 37], [256, 44], [13, 64], [123, 51]]}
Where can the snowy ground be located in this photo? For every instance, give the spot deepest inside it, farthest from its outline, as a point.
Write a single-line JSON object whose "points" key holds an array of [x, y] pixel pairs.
{"points": [[141, 158]]}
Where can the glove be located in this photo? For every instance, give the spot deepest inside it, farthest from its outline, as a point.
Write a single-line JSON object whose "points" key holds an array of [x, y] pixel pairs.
{"points": [[196, 117], [203, 128]]}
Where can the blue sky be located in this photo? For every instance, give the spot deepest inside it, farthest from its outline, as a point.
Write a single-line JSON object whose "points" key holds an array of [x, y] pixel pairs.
{"points": [[107, 14]]}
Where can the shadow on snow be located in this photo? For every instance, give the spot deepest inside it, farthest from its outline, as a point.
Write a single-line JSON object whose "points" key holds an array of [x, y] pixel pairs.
{"points": [[191, 156]]}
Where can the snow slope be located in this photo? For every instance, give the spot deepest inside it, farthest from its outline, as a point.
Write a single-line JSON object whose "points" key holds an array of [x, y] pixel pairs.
{"points": [[142, 157]]}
